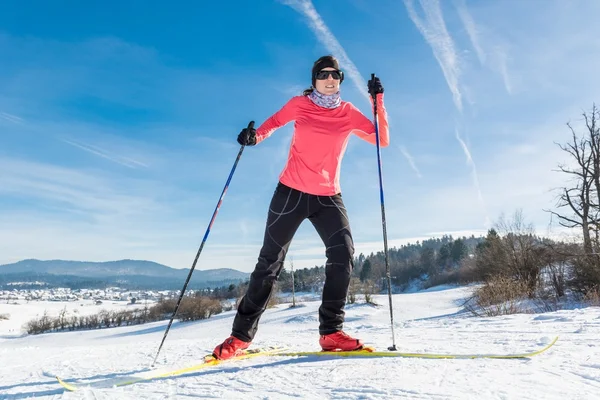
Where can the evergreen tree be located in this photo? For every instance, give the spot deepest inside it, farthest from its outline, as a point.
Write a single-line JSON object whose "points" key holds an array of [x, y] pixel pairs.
{"points": [[365, 273], [458, 251], [444, 256], [428, 261]]}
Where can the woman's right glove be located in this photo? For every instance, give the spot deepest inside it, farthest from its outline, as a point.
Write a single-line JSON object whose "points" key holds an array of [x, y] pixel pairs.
{"points": [[247, 136]]}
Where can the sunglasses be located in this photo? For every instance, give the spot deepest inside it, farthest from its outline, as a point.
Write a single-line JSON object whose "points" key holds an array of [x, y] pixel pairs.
{"points": [[335, 74]]}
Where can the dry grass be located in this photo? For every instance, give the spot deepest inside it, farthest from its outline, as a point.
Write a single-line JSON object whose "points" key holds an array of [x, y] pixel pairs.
{"points": [[498, 296], [190, 309], [367, 288], [592, 297]]}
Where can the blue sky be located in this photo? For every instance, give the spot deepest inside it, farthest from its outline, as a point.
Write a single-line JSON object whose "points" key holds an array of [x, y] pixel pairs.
{"points": [[118, 120]]}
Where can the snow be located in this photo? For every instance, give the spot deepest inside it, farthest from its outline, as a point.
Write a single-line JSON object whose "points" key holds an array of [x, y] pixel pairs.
{"points": [[21, 311], [431, 320]]}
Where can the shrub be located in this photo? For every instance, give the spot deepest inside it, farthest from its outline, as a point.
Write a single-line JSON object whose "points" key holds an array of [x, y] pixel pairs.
{"points": [[40, 325], [196, 308], [353, 290], [369, 289], [514, 251], [500, 295], [592, 296], [587, 273], [190, 309]]}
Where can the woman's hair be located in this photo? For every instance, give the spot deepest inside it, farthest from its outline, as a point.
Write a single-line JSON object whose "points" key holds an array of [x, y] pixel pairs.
{"points": [[308, 91], [322, 62]]}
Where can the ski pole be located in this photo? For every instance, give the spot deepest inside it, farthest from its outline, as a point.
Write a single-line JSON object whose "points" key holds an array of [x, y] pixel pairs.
{"points": [[212, 220], [385, 245]]}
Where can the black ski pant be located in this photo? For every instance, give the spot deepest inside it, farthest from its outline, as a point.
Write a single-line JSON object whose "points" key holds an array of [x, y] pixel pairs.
{"points": [[288, 209]]}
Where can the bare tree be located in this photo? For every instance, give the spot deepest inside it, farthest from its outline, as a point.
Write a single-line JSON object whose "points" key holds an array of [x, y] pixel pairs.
{"points": [[581, 200], [591, 123], [577, 198]]}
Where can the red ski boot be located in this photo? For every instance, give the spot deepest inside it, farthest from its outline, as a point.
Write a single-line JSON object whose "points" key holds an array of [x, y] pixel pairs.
{"points": [[339, 341], [231, 347]]}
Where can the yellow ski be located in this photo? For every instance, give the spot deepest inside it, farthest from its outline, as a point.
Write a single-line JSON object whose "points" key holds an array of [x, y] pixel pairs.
{"points": [[371, 352], [209, 361]]}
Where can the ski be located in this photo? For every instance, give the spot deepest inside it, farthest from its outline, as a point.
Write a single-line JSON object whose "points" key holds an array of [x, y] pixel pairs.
{"points": [[372, 352], [208, 361]]}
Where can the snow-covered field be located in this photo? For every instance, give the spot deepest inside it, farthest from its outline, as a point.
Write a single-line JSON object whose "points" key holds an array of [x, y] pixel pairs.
{"points": [[20, 312], [430, 321]]}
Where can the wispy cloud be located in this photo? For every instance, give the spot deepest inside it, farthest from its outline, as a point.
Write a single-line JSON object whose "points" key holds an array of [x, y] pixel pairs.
{"points": [[290, 90], [474, 175], [67, 197], [471, 28], [10, 117], [500, 60], [125, 161], [91, 214], [433, 29], [328, 39], [173, 244], [73, 190], [411, 160], [498, 56]]}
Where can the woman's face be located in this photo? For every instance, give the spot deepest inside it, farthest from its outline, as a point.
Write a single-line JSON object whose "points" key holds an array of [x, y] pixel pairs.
{"points": [[328, 85]]}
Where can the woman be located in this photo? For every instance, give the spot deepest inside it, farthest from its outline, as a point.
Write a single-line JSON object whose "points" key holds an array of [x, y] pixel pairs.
{"points": [[309, 187]]}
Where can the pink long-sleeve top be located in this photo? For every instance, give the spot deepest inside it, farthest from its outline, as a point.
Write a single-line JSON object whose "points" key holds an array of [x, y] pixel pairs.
{"points": [[320, 139]]}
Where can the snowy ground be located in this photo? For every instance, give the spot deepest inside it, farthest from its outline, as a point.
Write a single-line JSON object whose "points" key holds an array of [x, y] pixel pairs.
{"points": [[424, 321], [21, 311]]}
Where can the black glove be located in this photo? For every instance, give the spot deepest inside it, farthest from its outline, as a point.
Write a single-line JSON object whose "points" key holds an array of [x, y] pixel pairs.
{"points": [[247, 136], [374, 86]]}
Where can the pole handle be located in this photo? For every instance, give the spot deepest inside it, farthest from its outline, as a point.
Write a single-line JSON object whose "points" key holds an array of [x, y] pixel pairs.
{"points": [[373, 95]]}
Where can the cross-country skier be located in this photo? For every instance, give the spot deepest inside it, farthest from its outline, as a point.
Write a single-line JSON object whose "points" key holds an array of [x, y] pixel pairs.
{"points": [[309, 187]]}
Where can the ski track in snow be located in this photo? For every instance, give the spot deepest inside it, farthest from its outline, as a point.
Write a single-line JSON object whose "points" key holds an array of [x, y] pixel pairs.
{"points": [[429, 321]]}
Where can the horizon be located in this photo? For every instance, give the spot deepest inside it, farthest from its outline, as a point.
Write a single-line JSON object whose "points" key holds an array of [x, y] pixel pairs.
{"points": [[397, 244], [116, 138]]}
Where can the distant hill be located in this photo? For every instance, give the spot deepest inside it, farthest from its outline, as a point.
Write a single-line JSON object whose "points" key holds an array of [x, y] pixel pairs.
{"points": [[136, 274]]}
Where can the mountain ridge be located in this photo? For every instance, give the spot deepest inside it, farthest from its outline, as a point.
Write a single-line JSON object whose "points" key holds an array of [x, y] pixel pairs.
{"points": [[145, 270]]}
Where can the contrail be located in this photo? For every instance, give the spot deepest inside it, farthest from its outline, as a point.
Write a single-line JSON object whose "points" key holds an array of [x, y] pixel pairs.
{"points": [[411, 160], [497, 59], [500, 64], [474, 175], [10, 117], [127, 162], [330, 42], [471, 28], [433, 29]]}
